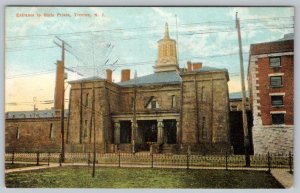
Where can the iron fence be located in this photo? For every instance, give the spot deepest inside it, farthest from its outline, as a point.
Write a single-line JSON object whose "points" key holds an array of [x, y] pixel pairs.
{"points": [[267, 161]]}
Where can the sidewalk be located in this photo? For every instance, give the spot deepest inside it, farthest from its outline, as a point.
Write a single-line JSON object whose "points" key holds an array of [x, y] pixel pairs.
{"points": [[283, 177], [31, 168]]}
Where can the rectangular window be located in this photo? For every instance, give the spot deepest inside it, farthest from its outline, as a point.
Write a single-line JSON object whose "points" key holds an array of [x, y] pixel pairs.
{"points": [[85, 129], [278, 118], [173, 101], [275, 62], [132, 103], [87, 99], [202, 94], [18, 133], [51, 134], [234, 108], [276, 81], [277, 100], [204, 130], [153, 104]]}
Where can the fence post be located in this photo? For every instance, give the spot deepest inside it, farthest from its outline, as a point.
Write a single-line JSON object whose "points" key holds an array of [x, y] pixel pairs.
{"points": [[269, 162], [187, 161], [187, 157], [13, 158], [59, 159], [152, 160], [48, 158], [290, 162], [38, 158], [226, 161], [119, 158], [89, 159]]}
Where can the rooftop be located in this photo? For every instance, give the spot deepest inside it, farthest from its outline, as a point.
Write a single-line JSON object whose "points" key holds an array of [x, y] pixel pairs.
{"points": [[88, 79], [155, 78], [237, 95], [285, 44], [211, 69], [32, 114]]}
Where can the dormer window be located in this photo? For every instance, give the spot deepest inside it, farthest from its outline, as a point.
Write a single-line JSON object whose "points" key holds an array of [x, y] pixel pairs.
{"points": [[152, 103]]}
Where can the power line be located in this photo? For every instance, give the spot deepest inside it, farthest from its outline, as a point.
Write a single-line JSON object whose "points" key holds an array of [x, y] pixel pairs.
{"points": [[18, 49], [30, 74], [22, 50], [135, 28]]}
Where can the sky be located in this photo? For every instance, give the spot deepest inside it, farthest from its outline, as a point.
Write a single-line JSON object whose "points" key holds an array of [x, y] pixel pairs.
{"points": [[118, 38]]}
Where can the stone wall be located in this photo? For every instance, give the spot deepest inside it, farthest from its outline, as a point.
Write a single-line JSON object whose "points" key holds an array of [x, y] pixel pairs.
{"points": [[205, 111], [33, 134], [82, 120], [273, 139], [162, 93]]}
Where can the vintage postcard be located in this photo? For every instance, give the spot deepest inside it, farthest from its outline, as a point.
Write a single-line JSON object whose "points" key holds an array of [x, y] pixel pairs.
{"points": [[149, 97]]}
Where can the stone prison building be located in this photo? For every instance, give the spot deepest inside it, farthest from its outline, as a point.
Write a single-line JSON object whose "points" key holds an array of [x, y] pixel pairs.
{"points": [[172, 110]]}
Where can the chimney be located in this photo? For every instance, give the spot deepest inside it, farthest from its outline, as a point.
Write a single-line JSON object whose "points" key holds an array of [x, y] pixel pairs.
{"points": [[189, 66], [197, 66], [125, 75], [109, 75], [59, 85]]}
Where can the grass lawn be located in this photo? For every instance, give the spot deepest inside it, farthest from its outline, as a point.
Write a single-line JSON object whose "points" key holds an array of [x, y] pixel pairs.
{"points": [[81, 177], [17, 165]]}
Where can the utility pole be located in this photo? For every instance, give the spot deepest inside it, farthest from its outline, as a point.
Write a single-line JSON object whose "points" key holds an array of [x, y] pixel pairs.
{"points": [[93, 114], [62, 112], [94, 131], [245, 125], [34, 107]]}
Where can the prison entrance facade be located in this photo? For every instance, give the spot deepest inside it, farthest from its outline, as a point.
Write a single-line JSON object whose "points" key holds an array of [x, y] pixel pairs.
{"points": [[149, 133]]}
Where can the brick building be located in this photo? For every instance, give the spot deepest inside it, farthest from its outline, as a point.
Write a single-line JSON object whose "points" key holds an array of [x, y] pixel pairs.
{"points": [[271, 83], [170, 110]]}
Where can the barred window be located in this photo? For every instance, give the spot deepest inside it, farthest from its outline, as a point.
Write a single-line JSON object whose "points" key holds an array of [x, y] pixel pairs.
{"points": [[87, 99], [132, 103], [85, 129], [173, 101], [204, 129], [275, 62], [276, 81], [51, 132], [278, 118], [18, 134], [234, 108], [277, 100], [153, 104]]}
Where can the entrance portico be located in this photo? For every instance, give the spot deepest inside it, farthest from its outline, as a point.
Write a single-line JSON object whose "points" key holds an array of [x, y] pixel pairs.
{"points": [[150, 130]]}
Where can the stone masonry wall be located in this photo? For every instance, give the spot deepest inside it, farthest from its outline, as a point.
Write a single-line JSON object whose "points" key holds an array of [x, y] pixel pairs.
{"points": [[34, 135], [205, 111], [162, 93], [273, 139], [81, 121]]}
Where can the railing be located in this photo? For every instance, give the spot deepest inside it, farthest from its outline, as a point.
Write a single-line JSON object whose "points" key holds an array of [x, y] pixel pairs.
{"points": [[187, 161]]}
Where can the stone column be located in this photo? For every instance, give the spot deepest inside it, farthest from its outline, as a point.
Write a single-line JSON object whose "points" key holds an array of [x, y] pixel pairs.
{"points": [[177, 131], [160, 131], [138, 138], [117, 132], [133, 136]]}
